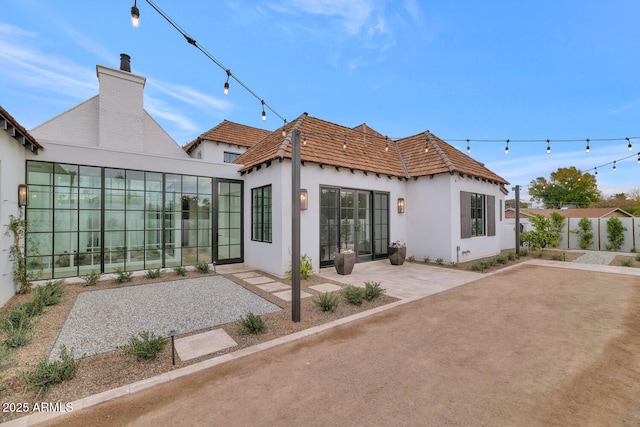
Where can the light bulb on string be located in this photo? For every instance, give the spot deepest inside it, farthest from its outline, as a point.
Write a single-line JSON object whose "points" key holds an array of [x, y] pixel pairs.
{"points": [[284, 128], [264, 115], [548, 147], [588, 148], [135, 15], [468, 148], [426, 144], [638, 158], [614, 165], [226, 84], [629, 146], [506, 149], [596, 173], [386, 147], [344, 144], [304, 138]]}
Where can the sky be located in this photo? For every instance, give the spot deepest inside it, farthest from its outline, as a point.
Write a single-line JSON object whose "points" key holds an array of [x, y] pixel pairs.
{"points": [[463, 69]]}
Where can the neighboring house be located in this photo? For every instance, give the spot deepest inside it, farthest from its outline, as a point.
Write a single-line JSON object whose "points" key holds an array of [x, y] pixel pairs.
{"points": [[112, 190], [569, 240], [16, 144]]}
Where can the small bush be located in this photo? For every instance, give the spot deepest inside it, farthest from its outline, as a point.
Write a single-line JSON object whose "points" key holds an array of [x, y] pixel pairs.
{"points": [[373, 290], [92, 278], [145, 346], [511, 256], [153, 274], [453, 264], [327, 302], [45, 373], [638, 257], [557, 257], [180, 271], [122, 276], [6, 357], [501, 259], [439, 261], [49, 294], [411, 258], [16, 325], [251, 324], [426, 259], [626, 262], [353, 294], [306, 268], [479, 266], [633, 250], [202, 267], [524, 252]]}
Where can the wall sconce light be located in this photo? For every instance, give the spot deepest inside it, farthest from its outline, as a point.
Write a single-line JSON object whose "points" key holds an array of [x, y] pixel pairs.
{"points": [[304, 199], [23, 195], [400, 205]]}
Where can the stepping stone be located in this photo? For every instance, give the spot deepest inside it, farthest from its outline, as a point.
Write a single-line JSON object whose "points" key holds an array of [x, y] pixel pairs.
{"points": [[275, 286], [246, 274], [325, 287], [201, 344], [286, 295], [258, 280]]}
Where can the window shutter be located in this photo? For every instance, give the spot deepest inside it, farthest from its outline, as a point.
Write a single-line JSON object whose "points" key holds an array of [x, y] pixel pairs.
{"points": [[465, 214], [491, 215]]}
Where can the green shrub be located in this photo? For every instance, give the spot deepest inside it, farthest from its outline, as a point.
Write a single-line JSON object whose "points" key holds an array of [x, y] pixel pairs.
{"points": [[453, 264], [6, 357], [524, 252], [49, 294], [46, 372], [411, 258], [153, 274], [16, 325], [501, 259], [373, 290], [426, 259], [557, 257], [251, 324], [122, 276], [353, 294], [511, 256], [92, 278], [633, 250], [306, 268], [180, 271], [638, 257], [439, 261], [627, 262], [481, 266], [615, 234], [584, 232], [145, 346], [327, 302], [202, 267]]}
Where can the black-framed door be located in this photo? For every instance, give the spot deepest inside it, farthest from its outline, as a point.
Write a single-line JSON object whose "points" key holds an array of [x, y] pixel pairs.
{"points": [[353, 219]]}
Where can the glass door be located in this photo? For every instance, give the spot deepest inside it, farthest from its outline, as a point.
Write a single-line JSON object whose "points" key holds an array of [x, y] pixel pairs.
{"points": [[363, 241]]}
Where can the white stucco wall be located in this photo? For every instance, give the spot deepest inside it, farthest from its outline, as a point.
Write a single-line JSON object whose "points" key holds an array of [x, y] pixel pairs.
{"points": [[12, 174], [214, 151]]}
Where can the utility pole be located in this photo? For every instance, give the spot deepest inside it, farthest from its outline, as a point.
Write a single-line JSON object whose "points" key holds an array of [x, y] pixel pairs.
{"points": [[295, 225]]}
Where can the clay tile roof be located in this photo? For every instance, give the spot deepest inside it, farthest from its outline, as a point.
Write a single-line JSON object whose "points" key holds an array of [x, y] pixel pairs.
{"points": [[322, 142], [440, 158], [576, 213], [230, 133], [16, 130]]}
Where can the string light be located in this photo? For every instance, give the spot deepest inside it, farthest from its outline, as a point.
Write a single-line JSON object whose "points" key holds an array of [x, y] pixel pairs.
{"points": [[284, 128], [468, 147], [426, 146], [226, 84], [344, 144], [596, 174], [264, 115], [548, 147], [614, 165], [638, 158], [629, 146], [135, 15], [304, 138], [386, 146], [588, 148], [506, 150]]}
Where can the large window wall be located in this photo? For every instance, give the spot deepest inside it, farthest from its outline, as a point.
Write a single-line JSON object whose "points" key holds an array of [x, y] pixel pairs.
{"points": [[85, 218]]}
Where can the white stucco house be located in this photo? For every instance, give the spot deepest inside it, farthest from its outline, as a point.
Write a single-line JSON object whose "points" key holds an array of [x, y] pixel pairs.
{"points": [[109, 189]]}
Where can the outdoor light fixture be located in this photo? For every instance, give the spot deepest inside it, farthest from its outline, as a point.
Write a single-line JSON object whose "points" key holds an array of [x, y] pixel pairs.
{"points": [[386, 147], [468, 147], [614, 165], [23, 195], [284, 128], [172, 334], [304, 140], [596, 174], [548, 147], [506, 150], [400, 205], [630, 147], [304, 199], [226, 84], [588, 148], [638, 157], [135, 15], [264, 115], [344, 144]]}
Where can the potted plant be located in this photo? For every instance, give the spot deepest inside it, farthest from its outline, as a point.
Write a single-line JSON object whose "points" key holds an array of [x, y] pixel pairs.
{"points": [[344, 259], [397, 252]]}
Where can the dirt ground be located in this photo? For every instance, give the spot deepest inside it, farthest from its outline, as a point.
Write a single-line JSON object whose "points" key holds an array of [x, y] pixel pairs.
{"points": [[528, 346]]}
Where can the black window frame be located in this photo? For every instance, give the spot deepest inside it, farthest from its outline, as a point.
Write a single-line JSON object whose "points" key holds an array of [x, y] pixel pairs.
{"points": [[262, 214]]}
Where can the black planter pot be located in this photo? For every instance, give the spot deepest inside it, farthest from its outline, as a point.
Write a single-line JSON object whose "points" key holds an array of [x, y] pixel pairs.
{"points": [[344, 262], [397, 255]]}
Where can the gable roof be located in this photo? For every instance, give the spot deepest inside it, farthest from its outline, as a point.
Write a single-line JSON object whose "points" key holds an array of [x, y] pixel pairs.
{"points": [[20, 134], [570, 213], [230, 133], [323, 143]]}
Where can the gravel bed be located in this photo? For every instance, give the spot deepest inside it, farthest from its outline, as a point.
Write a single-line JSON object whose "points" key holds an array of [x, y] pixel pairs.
{"points": [[100, 320], [598, 257]]}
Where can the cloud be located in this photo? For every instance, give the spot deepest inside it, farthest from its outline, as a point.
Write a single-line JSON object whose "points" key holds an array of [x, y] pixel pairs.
{"points": [[354, 13], [413, 9], [160, 109], [192, 97]]}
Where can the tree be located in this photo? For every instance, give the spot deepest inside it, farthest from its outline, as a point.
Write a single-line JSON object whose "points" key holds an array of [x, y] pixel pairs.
{"points": [[546, 233], [566, 186], [584, 232], [615, 234], [511, 203]]}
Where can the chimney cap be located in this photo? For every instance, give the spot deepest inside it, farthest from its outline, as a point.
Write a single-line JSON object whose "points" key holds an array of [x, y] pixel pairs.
{"points": [[125, 62]]}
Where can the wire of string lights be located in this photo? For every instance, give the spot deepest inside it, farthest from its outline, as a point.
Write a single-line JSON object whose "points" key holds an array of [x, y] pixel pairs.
{"points": [[227, 71]]}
